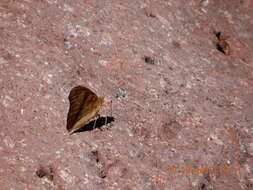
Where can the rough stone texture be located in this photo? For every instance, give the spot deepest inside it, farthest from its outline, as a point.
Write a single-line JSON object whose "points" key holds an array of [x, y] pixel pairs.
{"points": [[188, 106]]}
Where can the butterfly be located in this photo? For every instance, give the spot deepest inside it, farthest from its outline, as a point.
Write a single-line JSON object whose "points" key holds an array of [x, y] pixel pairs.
{"points": [[84, 106]]}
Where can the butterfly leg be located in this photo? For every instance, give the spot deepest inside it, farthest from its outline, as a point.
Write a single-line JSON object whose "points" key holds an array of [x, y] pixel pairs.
{"points": [[111, 114], [94, 125]]}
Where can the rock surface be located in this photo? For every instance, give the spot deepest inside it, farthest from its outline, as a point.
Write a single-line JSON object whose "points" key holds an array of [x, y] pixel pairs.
{"points": [[182, 95]]}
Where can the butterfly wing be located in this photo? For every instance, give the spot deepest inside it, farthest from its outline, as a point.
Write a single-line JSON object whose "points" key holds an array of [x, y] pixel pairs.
{"points": [[84, 105]]}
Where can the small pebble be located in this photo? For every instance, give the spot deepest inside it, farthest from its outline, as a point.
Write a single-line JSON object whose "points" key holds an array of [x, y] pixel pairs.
{"points": [[67, 44], [121, 93]]}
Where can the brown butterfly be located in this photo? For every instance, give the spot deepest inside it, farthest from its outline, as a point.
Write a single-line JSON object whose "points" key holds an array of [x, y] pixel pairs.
{"points": [[84, 105]]}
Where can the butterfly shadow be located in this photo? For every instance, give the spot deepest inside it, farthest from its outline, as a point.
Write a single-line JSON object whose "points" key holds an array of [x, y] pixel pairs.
{"points": [[101, 121]]}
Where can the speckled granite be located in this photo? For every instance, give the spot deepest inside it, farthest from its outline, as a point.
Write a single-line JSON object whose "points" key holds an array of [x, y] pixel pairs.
{"points": [[183, 117]]}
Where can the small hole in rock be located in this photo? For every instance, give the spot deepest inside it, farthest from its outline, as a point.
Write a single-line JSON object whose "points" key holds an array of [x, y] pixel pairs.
{"points": [[41, 173], [222, 44], [149, 60]]}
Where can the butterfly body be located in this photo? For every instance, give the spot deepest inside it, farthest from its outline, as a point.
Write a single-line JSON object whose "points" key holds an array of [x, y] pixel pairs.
{"points": [[84, 106]]}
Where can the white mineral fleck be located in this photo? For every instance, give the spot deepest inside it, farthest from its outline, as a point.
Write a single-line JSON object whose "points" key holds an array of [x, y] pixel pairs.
{"points": [[66, 176], [9, 142]]}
